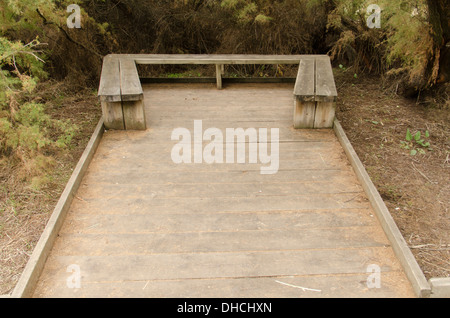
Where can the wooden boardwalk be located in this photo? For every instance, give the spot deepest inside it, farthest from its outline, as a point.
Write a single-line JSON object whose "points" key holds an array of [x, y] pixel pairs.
{"points": [[143, 226]]}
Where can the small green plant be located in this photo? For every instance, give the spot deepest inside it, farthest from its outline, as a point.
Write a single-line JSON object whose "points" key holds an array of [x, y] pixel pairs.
{"points": [[344, 69], [174, 75], [416, 143]]}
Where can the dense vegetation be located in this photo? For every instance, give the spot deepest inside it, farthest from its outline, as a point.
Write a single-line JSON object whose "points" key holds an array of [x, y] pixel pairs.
{"points": [[410, 49]]}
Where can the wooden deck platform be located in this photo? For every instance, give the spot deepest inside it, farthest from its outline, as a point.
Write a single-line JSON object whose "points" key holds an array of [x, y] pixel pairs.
{"points": [[142, 226]]}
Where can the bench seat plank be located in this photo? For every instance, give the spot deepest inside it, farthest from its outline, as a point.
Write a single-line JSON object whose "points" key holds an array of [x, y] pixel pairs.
{"points": [[325, 86], [109, 94], [109, 88], [326, 94], [132, 96], [304, 88], [215, 58], [130, 85], [304, 92]]}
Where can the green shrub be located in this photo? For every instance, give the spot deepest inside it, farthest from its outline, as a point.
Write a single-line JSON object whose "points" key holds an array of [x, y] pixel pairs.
{"points": [[27, 132], [407, 47]]}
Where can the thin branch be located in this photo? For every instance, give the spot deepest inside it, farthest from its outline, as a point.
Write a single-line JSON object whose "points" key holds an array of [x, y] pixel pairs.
{"points": [[422, 174], [31, 53], [68, 36]]}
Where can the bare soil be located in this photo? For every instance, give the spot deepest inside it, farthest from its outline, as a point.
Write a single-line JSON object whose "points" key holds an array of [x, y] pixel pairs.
{"points": [[415, 188]]}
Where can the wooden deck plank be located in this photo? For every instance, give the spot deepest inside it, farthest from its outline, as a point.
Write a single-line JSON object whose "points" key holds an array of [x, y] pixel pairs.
{"points": [[143, 162], [159, 136], [141, 225], [144, 202], [223, 178], [221, 190], [221, 265], [81, 222], [340, 286], [163, 157], [224, 241]]}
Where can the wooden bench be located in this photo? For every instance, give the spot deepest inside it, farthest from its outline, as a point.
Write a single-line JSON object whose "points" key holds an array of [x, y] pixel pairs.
{"points": [[121, 94], [315, 94]]}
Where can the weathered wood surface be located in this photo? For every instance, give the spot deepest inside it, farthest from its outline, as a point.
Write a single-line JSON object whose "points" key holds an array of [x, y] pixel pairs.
{"points": [[113, 115], [109, 87], [219, 72], [121, 95], [214, 58], [143, 226], [325, 86], [109, 93], [130, 85], [314, 84], [134, 115], [304, 87], [304, 114], [324, 115], [315, 94], [132, 96]]}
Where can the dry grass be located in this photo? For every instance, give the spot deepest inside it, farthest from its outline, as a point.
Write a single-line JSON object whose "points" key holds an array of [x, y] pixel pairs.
{"points": [[25, 210]]}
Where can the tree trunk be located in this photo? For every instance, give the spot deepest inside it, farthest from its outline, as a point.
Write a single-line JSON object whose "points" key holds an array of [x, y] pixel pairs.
{"points": [[439, 20]]}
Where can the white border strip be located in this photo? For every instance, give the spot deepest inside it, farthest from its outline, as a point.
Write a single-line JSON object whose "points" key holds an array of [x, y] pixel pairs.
{"points": [[399, 245], [28, 280]]}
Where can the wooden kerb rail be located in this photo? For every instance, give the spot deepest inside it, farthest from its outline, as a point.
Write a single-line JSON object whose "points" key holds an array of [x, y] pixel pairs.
{"points": [[122, 97]]}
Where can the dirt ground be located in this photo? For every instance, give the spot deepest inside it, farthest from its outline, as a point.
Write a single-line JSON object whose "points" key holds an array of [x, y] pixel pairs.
{"points": [[416, 188], [24, 211]]}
